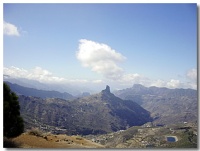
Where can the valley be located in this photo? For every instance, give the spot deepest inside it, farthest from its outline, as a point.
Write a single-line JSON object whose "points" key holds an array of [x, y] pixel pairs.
{"points": [[150, 136], [95, 114], [112, 75], [137, 117]]}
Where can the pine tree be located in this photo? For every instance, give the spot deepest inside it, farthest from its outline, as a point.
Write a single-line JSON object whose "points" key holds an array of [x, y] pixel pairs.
{"points": [[13, 124]]}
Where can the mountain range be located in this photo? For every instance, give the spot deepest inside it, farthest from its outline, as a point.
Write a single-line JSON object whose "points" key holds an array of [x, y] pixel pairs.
{"points": [[75, 89], [20, 90], [105, 112], [167, 106], [95, 114]]}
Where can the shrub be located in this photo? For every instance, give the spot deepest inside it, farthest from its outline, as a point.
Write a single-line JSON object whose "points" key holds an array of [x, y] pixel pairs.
{"points": [[9, 143], [79, 138], [36, 132]]}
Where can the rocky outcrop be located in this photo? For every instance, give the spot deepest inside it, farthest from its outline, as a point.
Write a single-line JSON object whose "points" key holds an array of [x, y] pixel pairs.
{"points": [[107, 90]]}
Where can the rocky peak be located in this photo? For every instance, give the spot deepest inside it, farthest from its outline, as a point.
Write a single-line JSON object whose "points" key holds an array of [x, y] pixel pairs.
{"points": [[107, 90]]}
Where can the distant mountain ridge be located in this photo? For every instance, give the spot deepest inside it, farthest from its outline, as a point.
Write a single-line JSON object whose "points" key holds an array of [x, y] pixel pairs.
{"points": [[72, 88], [95, 114], [20, 90], [166, 105]]}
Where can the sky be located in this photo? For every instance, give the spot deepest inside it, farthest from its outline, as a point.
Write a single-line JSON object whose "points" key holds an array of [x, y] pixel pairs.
{"points": [[102, 44]]}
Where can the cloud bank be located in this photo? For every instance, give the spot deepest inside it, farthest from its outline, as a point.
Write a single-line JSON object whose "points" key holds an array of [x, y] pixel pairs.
{"points": [[41, 75], [100, 58], [104, 60], [192, 74], [126, 80], [36, 73], [10, 29]]}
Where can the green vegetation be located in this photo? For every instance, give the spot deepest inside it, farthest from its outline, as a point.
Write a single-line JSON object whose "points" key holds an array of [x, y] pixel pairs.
{"points": [[35, 132], [103, 114], [188, 140], [8, 143], [128, 134], [13, 123], [150, 137]]}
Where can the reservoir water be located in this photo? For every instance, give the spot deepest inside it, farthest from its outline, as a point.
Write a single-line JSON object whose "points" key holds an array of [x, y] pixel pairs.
{"points": [[171, 139]]}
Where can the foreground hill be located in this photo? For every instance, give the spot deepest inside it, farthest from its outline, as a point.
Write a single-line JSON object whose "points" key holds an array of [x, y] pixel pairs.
{"points": [[20, 90], [48, 140], [166, 105], [146, 136], [96, 114]]}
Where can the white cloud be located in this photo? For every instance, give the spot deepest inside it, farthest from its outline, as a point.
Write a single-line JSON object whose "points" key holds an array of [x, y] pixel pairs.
{"points": [[158, 83], [192, 74], [15, 72], [126, 80], [10, 29], [97, 81], [133, 78], [37, 73], [100, 58], [41, 75], [173, 83]]}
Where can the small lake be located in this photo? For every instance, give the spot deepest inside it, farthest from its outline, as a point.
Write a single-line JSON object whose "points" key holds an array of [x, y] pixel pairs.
{"points": [[171, 139]]}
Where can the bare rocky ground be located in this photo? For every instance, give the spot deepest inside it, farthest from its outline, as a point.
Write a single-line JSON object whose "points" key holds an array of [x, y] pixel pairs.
{"points": [[146, 136], [27, 140]]}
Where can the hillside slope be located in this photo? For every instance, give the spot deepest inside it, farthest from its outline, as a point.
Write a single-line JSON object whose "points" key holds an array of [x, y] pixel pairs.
{"points": [[96, 114], [27, 140], [166, 105], [150, 136]]}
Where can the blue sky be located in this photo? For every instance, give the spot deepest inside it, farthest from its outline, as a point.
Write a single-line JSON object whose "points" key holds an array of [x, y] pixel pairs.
{"points": [[116, 44]]}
